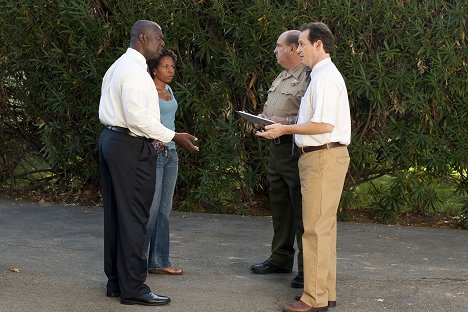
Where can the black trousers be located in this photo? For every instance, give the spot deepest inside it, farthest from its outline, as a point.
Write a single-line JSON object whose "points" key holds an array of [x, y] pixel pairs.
{"points": [[286, 205], [128, 177]]}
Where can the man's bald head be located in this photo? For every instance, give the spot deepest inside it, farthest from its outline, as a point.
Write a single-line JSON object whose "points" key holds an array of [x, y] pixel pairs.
{"points": [[291, 37], [143, 27], [285, 49], [147, 38]]}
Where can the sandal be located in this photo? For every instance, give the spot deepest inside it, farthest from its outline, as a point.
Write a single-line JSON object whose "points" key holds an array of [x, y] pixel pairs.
{"points": [[169, 270]]}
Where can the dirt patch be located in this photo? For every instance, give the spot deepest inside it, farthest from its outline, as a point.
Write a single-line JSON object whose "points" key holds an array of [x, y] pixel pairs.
{"points": [[91, 197], [436, 220]]}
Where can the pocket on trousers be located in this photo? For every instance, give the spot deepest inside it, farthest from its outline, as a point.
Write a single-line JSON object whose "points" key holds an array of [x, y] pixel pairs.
{"points": [[146, 151], [343, 160]]}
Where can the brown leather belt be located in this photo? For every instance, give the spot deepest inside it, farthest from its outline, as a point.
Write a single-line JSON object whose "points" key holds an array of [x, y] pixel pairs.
{"points": [[307, 149], [127, 132]]}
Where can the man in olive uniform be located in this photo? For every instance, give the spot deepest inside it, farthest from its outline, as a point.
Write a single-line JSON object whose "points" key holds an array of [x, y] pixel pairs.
{"points": [[282, 106]]}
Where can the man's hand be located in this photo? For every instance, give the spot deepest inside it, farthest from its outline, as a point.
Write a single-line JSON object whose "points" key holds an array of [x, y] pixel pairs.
{"points": [[185, 140], [260, 127], [272, 131]]}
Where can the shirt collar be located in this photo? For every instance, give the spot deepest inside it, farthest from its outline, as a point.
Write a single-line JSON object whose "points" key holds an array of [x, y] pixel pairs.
{"points": [[138, 57], [296, 72], [320, 64]]}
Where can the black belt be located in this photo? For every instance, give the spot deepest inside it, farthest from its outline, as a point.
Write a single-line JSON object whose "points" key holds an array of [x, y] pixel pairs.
{"points": [[307, 149], [287, 138], [127, 132]]}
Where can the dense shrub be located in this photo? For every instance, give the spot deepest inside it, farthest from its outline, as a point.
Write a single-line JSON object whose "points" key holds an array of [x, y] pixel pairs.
{"points": [[405, 64]]}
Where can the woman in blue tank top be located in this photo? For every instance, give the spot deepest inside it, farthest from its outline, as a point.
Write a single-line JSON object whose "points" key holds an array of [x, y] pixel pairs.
{"points": [[162, 71]]}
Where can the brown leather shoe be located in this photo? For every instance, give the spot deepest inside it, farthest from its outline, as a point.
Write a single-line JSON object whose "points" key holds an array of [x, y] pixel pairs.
{"points": [[300, 306], [169, 270], [331, 304]]}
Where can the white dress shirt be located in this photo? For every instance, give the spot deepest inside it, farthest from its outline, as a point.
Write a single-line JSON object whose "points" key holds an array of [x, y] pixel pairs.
{"points": [[129, 98], [325, 101]]}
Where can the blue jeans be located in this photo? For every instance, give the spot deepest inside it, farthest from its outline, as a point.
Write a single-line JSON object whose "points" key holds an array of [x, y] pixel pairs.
{"points": [[157, 229]]}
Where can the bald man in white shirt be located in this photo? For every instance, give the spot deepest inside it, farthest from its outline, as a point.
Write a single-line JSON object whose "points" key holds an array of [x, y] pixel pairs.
{"points": [[322, 133], [130, 112]]}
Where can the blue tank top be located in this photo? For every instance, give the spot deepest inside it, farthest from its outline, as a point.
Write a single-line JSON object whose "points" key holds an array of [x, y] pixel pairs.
{"points": [[168, 110]]}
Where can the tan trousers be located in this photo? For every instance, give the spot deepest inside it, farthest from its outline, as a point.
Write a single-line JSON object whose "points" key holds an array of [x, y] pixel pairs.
{"points": [[322, 176]]}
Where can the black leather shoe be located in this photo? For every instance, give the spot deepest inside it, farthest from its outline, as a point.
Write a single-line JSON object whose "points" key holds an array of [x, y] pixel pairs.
{"points": [[267, 267], [148, 299], [331, 304], [113, 294], [298, 281]]}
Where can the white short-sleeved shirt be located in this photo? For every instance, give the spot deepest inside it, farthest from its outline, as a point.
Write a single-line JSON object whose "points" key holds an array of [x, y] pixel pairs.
{"points": [[325, 101], [129, 98]]}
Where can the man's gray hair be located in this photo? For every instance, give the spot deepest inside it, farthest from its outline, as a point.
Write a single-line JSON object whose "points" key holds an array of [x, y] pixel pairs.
{"points": [[292, 37]]}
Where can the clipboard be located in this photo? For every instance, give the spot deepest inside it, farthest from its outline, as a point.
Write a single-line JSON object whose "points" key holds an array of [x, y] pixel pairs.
{"points": [[255, 119]]}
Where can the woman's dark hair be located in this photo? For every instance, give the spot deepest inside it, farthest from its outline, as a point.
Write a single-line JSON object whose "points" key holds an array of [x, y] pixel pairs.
{"points": [[153, 63], [320, 31]]}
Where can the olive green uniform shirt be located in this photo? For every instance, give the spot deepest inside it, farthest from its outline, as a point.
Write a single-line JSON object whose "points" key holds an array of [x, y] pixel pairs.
{"points": [[284, 95]]}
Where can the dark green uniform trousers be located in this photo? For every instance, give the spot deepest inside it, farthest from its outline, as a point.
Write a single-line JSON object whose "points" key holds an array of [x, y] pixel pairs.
{"points": [[285, 204]]}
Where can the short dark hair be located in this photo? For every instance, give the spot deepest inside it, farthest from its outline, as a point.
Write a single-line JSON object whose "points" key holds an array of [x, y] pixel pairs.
{"points": [[153, 63], [320, 31], [292, 37], [142, 27]]}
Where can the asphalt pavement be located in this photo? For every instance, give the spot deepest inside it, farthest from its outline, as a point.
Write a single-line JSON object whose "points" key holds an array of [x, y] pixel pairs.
{"points": [[51, 259]]}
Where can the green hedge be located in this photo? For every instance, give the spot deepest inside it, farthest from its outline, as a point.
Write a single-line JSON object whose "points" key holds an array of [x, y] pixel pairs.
{"points": [[404, 62]]}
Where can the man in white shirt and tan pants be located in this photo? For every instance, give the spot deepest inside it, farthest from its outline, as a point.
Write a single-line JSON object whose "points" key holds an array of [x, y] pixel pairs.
{"points": [[129, 110], [322, 133]]}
